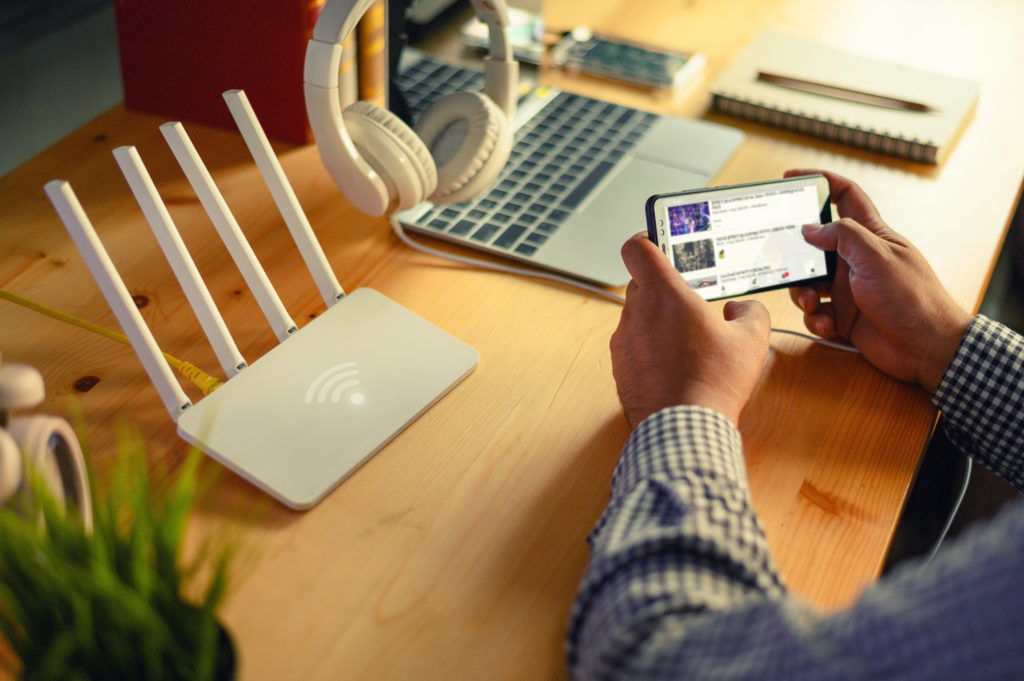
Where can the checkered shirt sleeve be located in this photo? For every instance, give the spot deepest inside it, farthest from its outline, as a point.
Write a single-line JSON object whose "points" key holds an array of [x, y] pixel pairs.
{"points": [[981, 397], [680, 584]]}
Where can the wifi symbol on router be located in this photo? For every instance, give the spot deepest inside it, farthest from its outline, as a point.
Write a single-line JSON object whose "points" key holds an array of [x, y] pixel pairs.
{"points": [[334, 383]]}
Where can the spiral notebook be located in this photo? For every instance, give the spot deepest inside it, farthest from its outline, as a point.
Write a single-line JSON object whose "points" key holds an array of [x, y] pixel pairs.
{"points": [[939, 108]]}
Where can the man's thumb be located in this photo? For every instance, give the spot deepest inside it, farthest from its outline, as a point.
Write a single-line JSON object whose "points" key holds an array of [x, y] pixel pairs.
{"points": [[749, 312]]}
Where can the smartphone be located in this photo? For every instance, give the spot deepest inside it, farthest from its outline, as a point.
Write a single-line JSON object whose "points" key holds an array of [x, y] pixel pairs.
{"points": [[582, 50], [728, 241]]}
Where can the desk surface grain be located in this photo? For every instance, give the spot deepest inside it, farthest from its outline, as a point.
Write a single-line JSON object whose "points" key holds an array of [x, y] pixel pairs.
{"points": [[455, 552]]}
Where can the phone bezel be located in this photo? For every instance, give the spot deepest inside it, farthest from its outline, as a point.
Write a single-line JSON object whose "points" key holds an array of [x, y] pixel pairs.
{"points": [[651, 210]]}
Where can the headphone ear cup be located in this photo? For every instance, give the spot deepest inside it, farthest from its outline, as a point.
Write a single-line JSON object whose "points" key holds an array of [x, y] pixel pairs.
{"points": [[470, 140], [11, 467], [51, 447], [394, 151]]}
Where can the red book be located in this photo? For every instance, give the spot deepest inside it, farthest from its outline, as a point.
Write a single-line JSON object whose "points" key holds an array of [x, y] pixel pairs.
{"points": [[178, 56]]}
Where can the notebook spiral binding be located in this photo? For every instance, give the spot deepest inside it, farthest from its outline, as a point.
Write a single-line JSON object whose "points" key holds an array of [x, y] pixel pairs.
{"points": [[873, 140]]}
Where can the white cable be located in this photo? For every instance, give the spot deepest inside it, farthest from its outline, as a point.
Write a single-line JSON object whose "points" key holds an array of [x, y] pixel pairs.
{"points": [[953, 513], [475, 262], [820, 341]]}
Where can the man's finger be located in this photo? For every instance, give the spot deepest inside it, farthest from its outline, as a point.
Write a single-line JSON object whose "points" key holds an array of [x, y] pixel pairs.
{"points": [[823, 322], [805, 298], [750, 313], [825, 237], [849, 198], [850, 239], [646, 263]]}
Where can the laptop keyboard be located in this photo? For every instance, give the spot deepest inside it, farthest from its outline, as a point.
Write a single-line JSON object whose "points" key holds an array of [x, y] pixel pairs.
{"points": [[558, 156]]}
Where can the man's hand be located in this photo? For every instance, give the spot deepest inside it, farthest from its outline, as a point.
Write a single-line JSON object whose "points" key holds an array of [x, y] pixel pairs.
{"points": [[885, 299], [672, 347]]}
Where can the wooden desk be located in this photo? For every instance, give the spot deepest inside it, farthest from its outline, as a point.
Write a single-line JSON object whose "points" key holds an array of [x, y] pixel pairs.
{"points": [[456, 551]]}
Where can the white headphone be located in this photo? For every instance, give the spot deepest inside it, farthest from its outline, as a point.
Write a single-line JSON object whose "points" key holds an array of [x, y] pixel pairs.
{"points": [[47, 444], [460, 143]]}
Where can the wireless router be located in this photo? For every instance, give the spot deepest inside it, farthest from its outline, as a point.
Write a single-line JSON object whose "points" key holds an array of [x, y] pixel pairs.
{"points": [[301, 418]]}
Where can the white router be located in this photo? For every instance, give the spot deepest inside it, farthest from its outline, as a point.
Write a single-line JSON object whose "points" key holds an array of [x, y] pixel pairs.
{"points": [[301, 418]]}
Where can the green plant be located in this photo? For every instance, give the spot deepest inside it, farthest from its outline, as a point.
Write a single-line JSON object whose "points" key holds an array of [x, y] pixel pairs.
{"points": [[111, 603]]}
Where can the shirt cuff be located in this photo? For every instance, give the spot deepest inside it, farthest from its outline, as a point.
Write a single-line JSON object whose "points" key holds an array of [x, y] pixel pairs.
{"points": [[680, 441], [982, 400], [989, 356]]}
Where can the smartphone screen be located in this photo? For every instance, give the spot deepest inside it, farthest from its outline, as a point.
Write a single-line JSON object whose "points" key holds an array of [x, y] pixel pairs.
{"points": [[727, 241]]}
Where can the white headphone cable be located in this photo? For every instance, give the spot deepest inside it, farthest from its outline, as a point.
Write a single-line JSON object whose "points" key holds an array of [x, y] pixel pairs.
{"points": [[399, 231], [819, 341], [968, 469], [475, 262]]}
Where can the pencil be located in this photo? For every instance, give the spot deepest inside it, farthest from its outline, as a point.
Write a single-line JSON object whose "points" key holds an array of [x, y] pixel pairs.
{"points": [[838, 92]]}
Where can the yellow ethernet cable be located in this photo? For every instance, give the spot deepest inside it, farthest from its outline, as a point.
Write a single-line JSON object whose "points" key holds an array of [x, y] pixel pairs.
{"points": [[199, 378]]}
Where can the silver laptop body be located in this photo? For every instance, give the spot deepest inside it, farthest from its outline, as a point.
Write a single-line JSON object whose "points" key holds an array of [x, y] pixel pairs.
{"points": [[580, 172]]}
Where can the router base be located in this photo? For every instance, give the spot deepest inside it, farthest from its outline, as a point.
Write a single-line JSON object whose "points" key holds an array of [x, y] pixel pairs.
{"points": [[304, 416]]}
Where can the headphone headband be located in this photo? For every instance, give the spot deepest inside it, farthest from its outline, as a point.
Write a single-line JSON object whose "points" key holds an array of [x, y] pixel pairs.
{"points": [[339, 18], [364, 185]]}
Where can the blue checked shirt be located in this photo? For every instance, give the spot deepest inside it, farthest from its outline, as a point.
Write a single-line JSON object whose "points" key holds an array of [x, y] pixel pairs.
{"points": [[681, 585]]}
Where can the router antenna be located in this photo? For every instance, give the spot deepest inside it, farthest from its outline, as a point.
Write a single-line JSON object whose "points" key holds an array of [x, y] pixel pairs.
{"points": [[230, 233], [284, 197], [82, 233], [181, 262]]}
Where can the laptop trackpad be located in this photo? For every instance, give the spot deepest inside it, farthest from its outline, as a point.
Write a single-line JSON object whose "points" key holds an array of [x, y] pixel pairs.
{"points": [[589, 242], [697, 145]]}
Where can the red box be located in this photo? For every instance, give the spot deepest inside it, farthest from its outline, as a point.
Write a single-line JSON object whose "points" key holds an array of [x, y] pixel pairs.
{"points": [[178, 56]]}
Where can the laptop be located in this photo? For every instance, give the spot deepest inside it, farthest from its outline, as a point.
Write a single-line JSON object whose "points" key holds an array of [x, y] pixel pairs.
{"points": [[577, 179]]}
